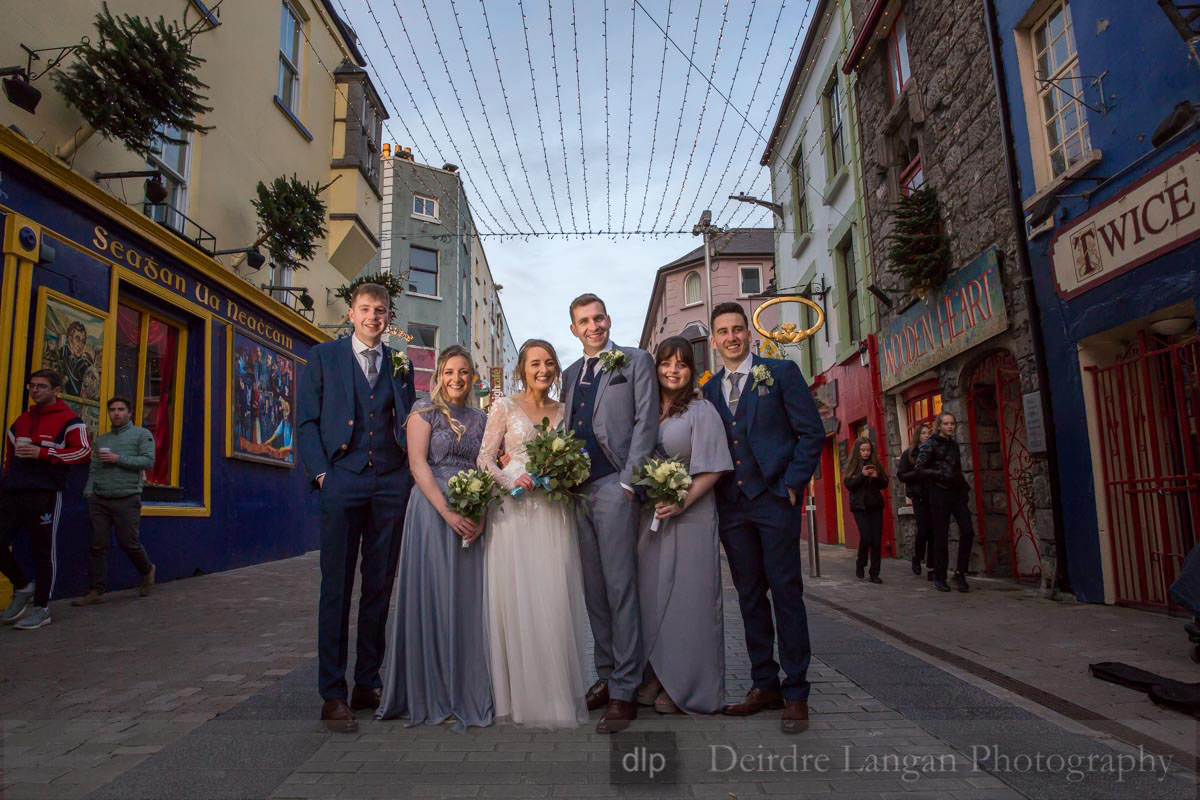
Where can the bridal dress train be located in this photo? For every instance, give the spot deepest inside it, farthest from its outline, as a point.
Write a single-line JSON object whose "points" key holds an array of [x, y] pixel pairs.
{"points": [[536, 617]]}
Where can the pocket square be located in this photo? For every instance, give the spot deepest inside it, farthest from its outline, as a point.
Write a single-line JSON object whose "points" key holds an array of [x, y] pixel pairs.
{"points": [[618, 379], [762, 391]]}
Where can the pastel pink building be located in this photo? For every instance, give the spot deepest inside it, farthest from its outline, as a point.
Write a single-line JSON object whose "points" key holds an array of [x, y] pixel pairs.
{"points": [[743, 267]]}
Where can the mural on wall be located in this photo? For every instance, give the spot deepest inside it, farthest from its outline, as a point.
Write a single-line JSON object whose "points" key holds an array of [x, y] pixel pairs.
{"points": [[262, 403], [70, 341]]}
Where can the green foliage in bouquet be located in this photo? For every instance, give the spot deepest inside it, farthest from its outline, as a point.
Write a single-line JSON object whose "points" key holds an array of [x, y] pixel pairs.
{"points": [[471, 492], [666, 480], [137, 77], [918, 250], [558, 460], [291, 218]]}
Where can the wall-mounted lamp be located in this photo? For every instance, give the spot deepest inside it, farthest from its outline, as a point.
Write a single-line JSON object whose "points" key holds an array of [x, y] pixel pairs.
{"points": [[156, 190], [254, 257], [300, 292], [18, 81], [774, 208], [881, 295], [1181, 117]]}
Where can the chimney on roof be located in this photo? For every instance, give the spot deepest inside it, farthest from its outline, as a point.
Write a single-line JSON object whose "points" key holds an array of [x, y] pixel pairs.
{"points": [[404, 153], [450, 167], [387, 150]]}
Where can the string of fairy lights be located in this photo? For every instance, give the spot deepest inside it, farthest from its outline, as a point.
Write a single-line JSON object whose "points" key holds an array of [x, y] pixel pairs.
{"points": [[528, 184]]}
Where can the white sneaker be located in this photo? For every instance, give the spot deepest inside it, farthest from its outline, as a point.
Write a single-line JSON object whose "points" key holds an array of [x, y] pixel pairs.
{"points": [[37, 617], [18, 607]]}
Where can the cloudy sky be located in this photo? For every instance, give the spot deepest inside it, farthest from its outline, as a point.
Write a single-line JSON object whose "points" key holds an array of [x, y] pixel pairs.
{"points": [[650, 154]]}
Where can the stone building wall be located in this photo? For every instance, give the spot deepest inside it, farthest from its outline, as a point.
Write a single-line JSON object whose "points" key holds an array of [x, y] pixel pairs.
{"points": [[950, 110]]}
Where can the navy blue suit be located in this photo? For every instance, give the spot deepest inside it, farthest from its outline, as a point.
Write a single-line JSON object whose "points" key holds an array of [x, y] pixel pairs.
{"points": [[775, 438], [353, 433]]}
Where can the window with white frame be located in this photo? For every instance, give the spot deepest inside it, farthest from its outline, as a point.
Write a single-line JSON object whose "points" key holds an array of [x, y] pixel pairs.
{"points": [[833, 125], [290, 32], [426, 207], [172, 158], [749, 280], [423, 271], [799, 191], [897, 56], [691, 289], [1056, 65]]}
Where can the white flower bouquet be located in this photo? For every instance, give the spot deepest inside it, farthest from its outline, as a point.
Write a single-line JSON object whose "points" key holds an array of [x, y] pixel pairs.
{"points": [[666, 481], [557, 462], [470, 493]]}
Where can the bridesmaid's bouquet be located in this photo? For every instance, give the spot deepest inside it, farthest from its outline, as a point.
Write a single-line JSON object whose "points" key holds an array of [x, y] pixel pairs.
{"points": [[556, 462], [666, 481], [470, 493]]}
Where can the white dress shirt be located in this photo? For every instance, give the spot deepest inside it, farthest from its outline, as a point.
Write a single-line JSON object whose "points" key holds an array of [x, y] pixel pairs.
{"points": [[360, 348], [742, 369]]}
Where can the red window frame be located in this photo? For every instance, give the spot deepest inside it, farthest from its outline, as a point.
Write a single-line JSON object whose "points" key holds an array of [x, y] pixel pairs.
{"points": [[899, 69], [922, 404], [910, 172]]}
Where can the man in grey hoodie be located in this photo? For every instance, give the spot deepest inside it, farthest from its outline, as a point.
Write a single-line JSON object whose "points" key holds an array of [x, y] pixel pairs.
{"points": [[114, 496]]}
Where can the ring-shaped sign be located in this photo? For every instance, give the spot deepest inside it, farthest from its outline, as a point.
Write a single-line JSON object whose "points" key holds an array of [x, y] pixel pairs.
{"points": [[788, 333]]}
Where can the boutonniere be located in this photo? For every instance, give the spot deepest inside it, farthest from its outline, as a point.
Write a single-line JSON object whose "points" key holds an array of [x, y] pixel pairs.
{"points": [[400, 363], [762, 377], [613, 360]]}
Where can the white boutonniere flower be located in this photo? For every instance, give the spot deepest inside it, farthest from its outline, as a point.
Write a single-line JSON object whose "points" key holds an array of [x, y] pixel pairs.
{"points": [[400, 363], [613, 360], [762, 377]]}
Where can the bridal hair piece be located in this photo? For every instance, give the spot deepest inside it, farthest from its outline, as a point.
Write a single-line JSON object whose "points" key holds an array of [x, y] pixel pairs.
{"points": [[523, 356], [680, 348], [437, 395]]}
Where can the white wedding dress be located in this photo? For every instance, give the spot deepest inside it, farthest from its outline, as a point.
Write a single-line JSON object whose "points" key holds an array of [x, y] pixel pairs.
{"points": [[537, 620]]}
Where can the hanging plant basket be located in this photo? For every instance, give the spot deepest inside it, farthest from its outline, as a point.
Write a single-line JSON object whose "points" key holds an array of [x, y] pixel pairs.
{"points": [[134, 79], [291, 218], [918, 250], [393, 283]]}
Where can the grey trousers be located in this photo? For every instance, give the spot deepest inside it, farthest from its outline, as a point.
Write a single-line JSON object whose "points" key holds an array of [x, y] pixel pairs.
{"points": [[124, 514], [608, 529]]}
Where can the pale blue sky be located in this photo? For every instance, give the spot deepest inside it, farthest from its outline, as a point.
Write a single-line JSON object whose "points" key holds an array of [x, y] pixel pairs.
{"points": [[510, 178]]}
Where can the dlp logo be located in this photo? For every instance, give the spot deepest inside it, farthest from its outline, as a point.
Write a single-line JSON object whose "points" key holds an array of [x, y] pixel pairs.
{"points": [[645, 758]]}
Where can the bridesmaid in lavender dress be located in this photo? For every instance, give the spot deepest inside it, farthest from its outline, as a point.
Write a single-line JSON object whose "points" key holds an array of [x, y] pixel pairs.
{"points": [[679, 565], [436, 666]]}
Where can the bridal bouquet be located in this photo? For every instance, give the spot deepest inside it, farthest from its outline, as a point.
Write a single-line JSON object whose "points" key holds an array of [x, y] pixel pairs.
{"points": [[556, 461], [470, 493], [666, 481]]}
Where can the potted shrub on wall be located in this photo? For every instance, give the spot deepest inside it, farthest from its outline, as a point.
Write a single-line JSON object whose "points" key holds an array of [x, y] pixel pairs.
{"points": [[918, 250]]}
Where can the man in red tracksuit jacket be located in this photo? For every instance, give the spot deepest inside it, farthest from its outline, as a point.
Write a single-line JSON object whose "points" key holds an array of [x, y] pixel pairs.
{"points": [[41, 447]]}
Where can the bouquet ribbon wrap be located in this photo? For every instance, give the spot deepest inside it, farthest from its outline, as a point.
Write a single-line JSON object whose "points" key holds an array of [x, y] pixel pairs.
{"points": [[539, 481]]}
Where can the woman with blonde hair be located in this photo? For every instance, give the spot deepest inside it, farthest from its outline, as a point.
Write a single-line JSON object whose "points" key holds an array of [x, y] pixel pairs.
{"points": [[434, 670], [866, 481], [537, 619]]}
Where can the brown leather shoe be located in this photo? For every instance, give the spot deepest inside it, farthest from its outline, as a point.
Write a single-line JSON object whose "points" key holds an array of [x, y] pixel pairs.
{"points": [[795, 717], [90, 599], [338, 717], [756, 700], [617, 716], [363, 697], [597, 696]]}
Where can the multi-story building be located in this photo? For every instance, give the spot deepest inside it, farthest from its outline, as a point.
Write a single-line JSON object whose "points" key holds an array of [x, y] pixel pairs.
{"points": [[125, 296], [929, 117], [1105, 163], [742, 266], [428, 236], [822, 252], [489, 329]]}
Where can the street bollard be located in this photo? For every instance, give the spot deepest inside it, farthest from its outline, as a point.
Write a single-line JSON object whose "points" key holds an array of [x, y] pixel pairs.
{"points": [[814, 557]]}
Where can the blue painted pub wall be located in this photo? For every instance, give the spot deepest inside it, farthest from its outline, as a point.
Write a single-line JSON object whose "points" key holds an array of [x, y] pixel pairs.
{"points": [[1148, 73], [258, 512]]}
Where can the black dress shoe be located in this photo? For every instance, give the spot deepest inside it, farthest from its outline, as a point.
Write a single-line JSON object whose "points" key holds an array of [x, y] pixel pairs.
{"points": [[916, 566], [960, 582], [338, 717], [940, 586], [859, 572], [364, 697], [597, 696], [617, 717], [876, 579]]}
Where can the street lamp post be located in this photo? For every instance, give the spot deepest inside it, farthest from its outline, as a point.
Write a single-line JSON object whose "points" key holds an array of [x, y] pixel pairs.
{"points": [[706, 229]]}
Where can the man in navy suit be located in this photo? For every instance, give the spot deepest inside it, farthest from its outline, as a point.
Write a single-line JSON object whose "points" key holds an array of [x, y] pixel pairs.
{"points": [[351, 408], [775, 436]]}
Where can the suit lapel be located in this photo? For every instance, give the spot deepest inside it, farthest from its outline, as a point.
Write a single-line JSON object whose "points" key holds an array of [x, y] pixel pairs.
{"points": [[605, 378], [719, 399], [750, 396], [346, 365], [569, 378]]}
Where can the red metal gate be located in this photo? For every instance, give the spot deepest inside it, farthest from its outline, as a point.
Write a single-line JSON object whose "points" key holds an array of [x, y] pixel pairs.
{"points": [[1149, 408]]}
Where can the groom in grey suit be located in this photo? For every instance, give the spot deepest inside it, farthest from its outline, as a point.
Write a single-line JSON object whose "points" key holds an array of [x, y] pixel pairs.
{"points": [[611, 397]]}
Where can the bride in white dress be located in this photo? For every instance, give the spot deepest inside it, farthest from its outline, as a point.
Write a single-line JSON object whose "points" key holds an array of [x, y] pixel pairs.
{"points": [[536, 614]]}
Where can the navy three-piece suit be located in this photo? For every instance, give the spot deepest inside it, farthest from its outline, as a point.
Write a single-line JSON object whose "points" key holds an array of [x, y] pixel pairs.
{"points": [[353, 433], [775, 438]]}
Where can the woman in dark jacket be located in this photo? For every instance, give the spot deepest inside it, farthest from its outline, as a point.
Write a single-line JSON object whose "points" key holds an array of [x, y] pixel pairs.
{"points": [[866, 480], [914, 487]]}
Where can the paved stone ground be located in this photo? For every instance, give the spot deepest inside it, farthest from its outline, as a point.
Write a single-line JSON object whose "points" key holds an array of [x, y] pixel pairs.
{"points": [[206, 690]]}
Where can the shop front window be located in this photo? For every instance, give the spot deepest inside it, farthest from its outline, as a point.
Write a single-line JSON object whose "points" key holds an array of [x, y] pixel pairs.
{"points": [[149, 370], [922, 407]]}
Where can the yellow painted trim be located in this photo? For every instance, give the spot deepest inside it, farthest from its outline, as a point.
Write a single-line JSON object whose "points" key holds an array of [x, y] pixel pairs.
{"points": [[140, 386], [50, 169], [837, 493], [8, 287], [108, 357], [229, 405], [177, 423], [16, 397], [229, 391]]}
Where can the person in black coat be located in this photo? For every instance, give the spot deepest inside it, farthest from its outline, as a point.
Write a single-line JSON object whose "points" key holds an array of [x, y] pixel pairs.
{"points": [[866, 480], [914, 487], [940, 463]]}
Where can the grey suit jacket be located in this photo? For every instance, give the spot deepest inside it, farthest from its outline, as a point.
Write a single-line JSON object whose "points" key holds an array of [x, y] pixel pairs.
{"points": [[625, 419]]}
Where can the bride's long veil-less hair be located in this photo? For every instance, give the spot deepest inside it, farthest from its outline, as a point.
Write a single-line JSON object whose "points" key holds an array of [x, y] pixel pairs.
{"points": [[437, 393], [523, 357]]}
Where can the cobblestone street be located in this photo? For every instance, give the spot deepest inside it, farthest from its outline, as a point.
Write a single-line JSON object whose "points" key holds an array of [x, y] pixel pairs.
{"points": [[207, 690]]}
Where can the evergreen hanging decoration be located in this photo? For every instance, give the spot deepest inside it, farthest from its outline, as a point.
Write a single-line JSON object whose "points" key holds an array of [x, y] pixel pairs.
{"points": [[393, 283], [291, 218], [137, 77], [918, 249]]}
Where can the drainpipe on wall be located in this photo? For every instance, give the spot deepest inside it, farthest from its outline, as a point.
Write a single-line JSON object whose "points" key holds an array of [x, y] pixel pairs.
{"points": [[1061, 579]]}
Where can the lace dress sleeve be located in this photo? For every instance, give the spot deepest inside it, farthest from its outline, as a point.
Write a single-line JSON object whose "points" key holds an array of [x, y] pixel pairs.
{"points": [[493, 438]]}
